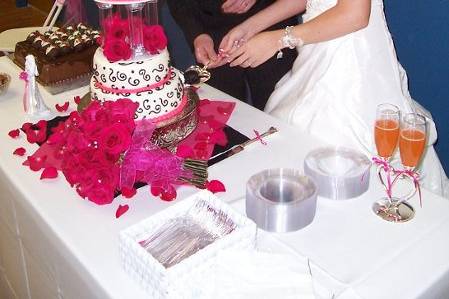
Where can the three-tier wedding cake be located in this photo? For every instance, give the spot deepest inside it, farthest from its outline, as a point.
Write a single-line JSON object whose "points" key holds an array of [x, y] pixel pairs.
{"points": [[133, 61]]}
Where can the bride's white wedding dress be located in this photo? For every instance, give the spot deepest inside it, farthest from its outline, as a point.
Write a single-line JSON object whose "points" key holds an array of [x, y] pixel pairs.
{"points": [[334, 88]]}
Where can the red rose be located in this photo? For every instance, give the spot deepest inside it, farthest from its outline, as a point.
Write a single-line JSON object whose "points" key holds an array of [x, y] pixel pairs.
{"points": [[115, 27], [115, 139], [154, 38], [100, 194], [116, 49]]}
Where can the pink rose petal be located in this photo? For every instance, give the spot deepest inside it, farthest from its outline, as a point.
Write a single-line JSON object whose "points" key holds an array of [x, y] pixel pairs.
{"points": [[19, 151], [215, 186], [62, 108], [121, 210], [14, 133], [169, 194], [36, 163], [128, 192], [49, 173], [155, 190]]}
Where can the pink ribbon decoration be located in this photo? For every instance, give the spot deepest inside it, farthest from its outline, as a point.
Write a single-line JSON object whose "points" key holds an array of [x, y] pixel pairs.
{"points": [[414, 176], [258, 137], [145, 162], [24, 76], [383, 164], [135, 90]]}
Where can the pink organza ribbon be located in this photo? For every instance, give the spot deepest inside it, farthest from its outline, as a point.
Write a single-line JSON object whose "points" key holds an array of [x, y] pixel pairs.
{"points": [[145, 162], [414, 176], [383, 164], [388, 169]]}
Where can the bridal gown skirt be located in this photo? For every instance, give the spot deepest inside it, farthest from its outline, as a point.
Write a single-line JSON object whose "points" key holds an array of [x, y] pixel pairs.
{"points": [[334, 88]]}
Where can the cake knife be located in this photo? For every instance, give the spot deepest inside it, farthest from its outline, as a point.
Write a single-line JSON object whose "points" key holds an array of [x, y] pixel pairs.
{"points": [[239, 147]]}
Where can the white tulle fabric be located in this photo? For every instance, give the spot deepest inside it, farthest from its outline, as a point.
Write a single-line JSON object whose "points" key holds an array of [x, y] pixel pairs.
{"points": [[334, 88]]}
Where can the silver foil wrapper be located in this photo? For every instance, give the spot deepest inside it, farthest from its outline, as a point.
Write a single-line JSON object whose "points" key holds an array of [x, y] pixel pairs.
{"points": [[340, 173], [281, 200]]}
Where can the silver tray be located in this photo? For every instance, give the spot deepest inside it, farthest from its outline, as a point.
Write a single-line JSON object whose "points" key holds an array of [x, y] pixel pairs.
{"points": [[171, 131]]}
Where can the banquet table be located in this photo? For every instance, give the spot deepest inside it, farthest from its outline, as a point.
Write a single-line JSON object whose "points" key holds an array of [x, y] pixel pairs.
{"points": [[53, 244]]}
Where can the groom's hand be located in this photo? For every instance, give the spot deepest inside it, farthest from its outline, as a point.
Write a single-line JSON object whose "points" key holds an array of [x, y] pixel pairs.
{"points": [[204, 49], [237, 6]]}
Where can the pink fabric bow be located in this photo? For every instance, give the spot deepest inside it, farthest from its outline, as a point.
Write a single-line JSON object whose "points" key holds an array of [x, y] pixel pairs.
{"points": [[145, 162]]}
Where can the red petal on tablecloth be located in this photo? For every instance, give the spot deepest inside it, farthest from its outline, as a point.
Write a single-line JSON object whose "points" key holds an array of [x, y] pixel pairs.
{"points": [[121, 210], [19, 151], [35, 163], [168, 194], [49, 173], [215, 186], [77, 100], [62, 108], [37, 132], [155, 190], [14, 133], [128, 192]]}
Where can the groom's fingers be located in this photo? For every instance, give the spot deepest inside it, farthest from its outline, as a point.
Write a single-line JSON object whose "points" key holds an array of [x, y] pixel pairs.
{"points": [[229, 5]]}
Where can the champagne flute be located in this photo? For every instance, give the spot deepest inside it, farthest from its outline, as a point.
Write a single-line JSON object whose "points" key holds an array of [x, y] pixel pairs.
{"points": [[412, 140], [386, 135], [386, 130]]}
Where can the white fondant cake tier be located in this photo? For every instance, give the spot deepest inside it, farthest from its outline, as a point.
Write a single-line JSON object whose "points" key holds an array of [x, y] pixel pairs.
{"points": [[131, 74], [149, 80]]}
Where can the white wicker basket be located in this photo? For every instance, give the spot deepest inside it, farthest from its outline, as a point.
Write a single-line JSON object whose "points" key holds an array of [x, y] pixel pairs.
{"points": [[178, 281]]}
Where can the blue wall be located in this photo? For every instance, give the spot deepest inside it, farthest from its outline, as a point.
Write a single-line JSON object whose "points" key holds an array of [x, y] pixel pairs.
{"points": [[420, 30]]}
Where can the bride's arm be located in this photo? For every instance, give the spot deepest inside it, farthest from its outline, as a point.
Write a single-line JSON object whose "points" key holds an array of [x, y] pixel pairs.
{"points": [[345, 17], [278, 11]]}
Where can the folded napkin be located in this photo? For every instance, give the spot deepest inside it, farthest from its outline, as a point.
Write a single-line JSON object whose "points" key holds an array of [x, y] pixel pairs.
{"points": [[256, 274]]}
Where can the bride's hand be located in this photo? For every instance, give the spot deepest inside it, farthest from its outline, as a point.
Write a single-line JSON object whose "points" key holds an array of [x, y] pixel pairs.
{"points": [[235, 38], [257, 50]]}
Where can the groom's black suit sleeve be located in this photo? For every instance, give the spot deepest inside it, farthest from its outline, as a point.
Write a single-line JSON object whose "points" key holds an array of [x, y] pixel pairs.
{"points": [[187, 15]]}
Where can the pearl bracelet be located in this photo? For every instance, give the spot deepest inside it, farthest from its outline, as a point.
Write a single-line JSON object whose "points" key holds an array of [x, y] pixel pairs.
{"points": [[288, 41]]}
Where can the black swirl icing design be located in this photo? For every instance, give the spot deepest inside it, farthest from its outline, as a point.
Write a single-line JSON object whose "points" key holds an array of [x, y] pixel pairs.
{"points": [[144, 75], [121, 76]]}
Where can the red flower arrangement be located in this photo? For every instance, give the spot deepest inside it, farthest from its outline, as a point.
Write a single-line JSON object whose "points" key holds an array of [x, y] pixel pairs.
{"points": [[116, 39]]}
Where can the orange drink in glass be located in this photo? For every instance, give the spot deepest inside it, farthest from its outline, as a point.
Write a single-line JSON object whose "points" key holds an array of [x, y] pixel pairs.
{"points": [[386, 130], [412, 139]]}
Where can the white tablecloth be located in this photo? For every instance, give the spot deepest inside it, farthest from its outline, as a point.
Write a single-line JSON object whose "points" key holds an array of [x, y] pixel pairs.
{"points": [[55, 245]]}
